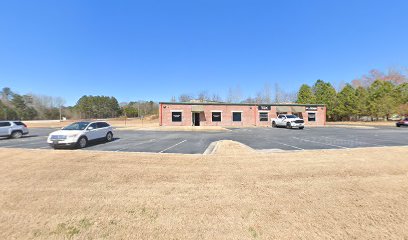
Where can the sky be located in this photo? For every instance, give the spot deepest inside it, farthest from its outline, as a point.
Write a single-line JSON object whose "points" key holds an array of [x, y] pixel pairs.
{"points": [[153, 50]]}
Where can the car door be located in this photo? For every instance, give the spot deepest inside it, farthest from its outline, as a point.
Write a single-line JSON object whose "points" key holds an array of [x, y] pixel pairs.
{"points": [[4, 128], [102, 129], [92, 131], [279, 120]]}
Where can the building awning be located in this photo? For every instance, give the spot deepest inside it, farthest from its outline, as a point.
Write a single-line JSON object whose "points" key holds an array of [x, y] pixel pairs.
{"points": [[298, 109], [283, 109], [197, 108]]}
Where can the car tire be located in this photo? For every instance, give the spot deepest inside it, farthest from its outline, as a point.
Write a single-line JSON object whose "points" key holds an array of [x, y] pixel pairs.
{"points": [[16, 134], [288, 126], [109, 137], [398, 125], [82, 142], [301, 128], [274, 124]]}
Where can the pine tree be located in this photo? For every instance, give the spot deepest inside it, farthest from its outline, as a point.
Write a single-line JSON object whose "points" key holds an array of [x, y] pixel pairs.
{"points": [[325, 94], [346, 106], [305, 95]]}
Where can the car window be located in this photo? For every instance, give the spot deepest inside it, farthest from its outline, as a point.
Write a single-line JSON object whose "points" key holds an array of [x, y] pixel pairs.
{"points": [[5, 124], [290, 116], [102, 124], [19, 123], [93, 125], [76, 126]]}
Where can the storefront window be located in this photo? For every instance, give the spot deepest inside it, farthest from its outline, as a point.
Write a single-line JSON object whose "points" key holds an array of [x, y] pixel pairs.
{"points": [[176, 116], [263, 117], [311, 117], [216, 116], [236, 117]]}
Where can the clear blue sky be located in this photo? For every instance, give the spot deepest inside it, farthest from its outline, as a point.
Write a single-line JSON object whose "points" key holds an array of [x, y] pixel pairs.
{"points": [[159, 49]]}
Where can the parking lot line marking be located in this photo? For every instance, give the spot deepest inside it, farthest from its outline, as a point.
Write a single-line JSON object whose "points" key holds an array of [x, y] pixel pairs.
{"points": [[355, 141], [172, 146], [120, 149], [333, 145], [290, 146]]}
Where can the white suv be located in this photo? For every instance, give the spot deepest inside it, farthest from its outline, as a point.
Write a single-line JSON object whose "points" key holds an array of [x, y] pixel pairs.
{"points": [[13, 129], [80, 133], [288, 121]]}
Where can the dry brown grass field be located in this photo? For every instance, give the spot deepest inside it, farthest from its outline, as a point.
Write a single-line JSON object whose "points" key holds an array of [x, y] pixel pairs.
{"points": [[235, 193]]}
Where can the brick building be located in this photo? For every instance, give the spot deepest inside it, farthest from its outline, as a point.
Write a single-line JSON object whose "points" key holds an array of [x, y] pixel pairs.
{"points": [[231, 114]]}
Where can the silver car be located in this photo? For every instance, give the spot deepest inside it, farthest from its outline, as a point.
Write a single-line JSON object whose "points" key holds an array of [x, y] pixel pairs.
{"points": [[13, 129]]}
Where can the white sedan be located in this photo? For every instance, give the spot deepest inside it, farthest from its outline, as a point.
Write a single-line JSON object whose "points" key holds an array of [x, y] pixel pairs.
{"points": [[78, 134]]}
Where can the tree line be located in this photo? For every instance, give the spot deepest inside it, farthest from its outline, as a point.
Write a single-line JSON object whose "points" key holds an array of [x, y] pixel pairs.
{"points": [[28, 106], [14, 106], [374, 96]]}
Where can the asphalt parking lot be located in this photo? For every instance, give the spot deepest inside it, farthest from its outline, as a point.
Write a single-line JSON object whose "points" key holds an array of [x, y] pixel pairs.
{"points": [[272, 139]]}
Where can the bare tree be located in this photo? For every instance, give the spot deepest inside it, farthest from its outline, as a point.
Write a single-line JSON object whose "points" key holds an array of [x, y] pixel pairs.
{"points": [[234, 94], [393, 75], [216, 98], [185, 98], [203, 96]]}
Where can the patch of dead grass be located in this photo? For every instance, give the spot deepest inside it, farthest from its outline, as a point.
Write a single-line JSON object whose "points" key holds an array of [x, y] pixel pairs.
{"points": [[236, 193]]}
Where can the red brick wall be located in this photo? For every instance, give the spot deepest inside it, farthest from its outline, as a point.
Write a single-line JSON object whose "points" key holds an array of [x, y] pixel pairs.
{"points": [[249, 115]]}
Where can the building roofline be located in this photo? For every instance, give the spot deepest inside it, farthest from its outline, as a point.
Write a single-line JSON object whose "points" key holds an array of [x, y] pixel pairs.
{"points": [[241, 104]]}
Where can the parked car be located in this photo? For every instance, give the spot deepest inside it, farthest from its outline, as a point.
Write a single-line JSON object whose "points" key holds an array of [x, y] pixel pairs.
{"points": [[79, 134], [403, 122], [288, 121], [13, 129]]}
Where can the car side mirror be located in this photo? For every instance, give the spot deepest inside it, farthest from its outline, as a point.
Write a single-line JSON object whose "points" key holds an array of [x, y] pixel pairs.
{"points": [[90, 128]]}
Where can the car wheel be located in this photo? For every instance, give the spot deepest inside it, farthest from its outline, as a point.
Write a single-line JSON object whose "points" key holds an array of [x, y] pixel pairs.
{"points": [[398, 125], [82, 142], [109, 137], [301, 128], [17, 134], [288, 126], [273, 124]]}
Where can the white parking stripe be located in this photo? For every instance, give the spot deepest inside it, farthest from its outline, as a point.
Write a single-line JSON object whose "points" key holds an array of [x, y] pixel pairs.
{"points": [[172, 146], [333, 145], [131, 145], [355, 141], [290, 146]]}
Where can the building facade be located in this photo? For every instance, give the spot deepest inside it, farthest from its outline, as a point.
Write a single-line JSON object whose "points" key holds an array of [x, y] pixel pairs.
{"points": [[226, 114]]}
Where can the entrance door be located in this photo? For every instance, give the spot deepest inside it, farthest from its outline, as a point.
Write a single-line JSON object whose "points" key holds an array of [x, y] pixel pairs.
{"points": [[196, 119]]}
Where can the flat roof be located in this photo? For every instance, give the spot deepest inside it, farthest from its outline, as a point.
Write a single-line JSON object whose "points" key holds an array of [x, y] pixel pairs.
{"points": [[242, 104]]}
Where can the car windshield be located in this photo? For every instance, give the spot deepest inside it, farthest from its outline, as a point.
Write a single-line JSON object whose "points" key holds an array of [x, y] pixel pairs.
{"points": [[76, 126], [291, 116]]}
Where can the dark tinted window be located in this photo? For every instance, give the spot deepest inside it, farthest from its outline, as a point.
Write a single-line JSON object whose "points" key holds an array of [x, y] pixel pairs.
{"points": [[311, 117], [19, 123], [4, 124], [216, 116], [76, 126], [236, 117], [93, 125], [176, 116], [263, 117], [102, 124]]}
